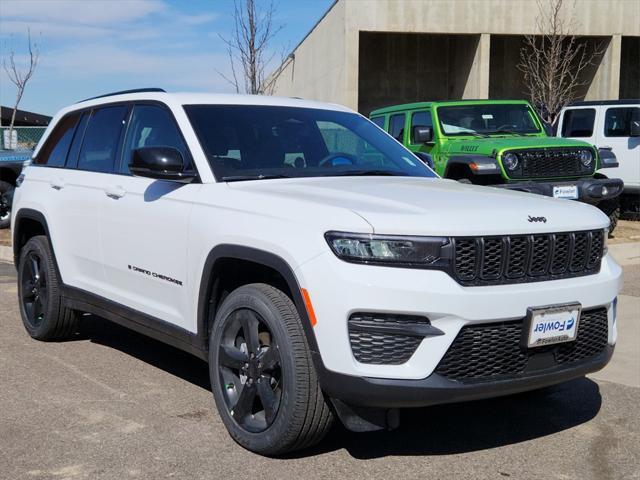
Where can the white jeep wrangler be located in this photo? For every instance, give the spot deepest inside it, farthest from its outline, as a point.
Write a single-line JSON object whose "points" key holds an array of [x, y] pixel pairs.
{"points": [[318, 266], [612, 125]]}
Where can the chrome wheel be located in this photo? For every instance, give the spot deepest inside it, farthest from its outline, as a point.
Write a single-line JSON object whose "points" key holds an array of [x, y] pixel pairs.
{"points": [[250, 371]]}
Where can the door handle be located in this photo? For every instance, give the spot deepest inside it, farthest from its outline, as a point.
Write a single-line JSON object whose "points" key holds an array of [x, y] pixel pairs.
{"points": [[115, 192], [57, 184]]}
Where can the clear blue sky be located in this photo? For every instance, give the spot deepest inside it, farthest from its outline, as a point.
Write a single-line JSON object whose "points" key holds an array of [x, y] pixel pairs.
{"points": [[89, 47]]}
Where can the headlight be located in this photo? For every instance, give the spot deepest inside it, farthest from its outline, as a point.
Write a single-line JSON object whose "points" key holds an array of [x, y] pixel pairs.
{"points": [[510, 161], [425, 252], [586, 157]]}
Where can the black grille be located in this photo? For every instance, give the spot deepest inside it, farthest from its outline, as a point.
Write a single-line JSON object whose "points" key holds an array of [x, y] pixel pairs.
{"points": [[377, 339], [527, 258], [493, 351], [551, 162]]}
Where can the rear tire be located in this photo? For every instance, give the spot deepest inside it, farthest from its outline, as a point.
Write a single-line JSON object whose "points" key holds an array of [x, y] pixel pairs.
{"points": [[43, 315], [5, 214], [611, 208], [263, 379]]}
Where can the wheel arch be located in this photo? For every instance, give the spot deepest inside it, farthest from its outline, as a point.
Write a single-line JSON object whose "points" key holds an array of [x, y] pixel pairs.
{"points": [[226, 255], [29, 223], [9, 175]]}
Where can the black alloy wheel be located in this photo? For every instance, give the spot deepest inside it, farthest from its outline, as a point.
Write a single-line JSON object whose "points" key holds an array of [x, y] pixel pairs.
{"points": [[250, 370]]}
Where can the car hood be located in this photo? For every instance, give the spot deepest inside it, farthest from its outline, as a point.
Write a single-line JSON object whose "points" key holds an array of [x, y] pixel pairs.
{"points": [[427, 206], [497, 144]]}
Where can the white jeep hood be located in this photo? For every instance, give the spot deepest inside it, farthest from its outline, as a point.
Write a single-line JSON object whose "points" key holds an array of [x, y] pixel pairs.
{"points": [[425, 206]]}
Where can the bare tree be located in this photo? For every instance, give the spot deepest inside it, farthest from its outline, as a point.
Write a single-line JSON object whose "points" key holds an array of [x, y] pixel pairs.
{"points": [[249, 47], [553, 60], [20, 77]]}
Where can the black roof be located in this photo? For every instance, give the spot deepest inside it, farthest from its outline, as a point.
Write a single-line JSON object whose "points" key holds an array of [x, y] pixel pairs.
{"points": [[23, 118], [605, 102]]}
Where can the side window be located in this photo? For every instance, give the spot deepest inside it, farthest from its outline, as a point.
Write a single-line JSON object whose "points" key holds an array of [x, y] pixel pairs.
{"points": [[379, 121], [72, 157], [396, 127], [54, 151], [101, 139], [578, 122], [152, 126], [420, 119], [617, 121]]}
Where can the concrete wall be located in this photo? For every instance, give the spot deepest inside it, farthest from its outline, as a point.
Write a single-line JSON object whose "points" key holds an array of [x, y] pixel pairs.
{"points": [[327, 63], [317, 69], [402, 68]]}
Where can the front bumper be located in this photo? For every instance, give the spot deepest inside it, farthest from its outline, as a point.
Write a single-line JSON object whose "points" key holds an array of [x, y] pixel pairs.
{"points": [[590, 190], [435, 389]]}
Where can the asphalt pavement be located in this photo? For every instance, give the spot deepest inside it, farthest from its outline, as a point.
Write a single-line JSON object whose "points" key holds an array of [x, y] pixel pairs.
{"points": [[112, 404]]}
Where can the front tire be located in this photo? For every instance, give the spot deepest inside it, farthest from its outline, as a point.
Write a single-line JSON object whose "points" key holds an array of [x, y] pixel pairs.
{"points": [[611, 208], [262, 376], [43, 315]]}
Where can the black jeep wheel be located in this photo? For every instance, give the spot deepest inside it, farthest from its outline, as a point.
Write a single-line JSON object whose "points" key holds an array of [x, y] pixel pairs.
{"points": [[6, 193], [41, 308], [611, 208], [262, 376]]}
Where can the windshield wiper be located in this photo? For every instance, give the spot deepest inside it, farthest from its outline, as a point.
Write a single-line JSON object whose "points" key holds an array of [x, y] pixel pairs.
{"points": [[362, 173], [240, 178], [510, 132], [477, 134]]}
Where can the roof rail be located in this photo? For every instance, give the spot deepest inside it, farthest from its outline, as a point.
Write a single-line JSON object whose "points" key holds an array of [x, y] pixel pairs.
{"points": [[123, 92]]}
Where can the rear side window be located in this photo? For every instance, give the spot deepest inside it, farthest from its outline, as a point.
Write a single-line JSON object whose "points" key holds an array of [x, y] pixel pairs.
{"points": [[72, 157], [578, 122], [54, 151], [396, 127], [101, 139], [420, 119], [379, 121], [152, 126], [617, 121]]}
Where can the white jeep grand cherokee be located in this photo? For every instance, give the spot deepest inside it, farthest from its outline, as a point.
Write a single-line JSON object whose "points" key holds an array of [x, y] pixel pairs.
{"points": [[319, 267]]}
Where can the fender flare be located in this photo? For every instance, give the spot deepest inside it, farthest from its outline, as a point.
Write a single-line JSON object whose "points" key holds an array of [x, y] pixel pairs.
{"points": [[39, 217], [206, 316]]}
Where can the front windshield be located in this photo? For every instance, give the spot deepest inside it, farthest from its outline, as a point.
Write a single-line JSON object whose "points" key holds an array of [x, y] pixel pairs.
{"points": [[249, 142], [487, 119]]}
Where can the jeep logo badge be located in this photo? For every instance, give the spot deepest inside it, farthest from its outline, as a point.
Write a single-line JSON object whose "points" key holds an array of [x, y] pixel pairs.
{"points": [[537, 219]]}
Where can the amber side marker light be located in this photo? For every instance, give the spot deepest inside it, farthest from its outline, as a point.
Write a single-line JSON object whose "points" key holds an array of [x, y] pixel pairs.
{"points": [[309, 307]]}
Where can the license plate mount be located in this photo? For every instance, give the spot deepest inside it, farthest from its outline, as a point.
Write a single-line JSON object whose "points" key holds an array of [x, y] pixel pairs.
{"points": [[551, 324], [569, 192]]}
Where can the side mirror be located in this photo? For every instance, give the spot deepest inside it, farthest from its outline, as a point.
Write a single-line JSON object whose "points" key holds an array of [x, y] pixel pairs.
{"points": [[635, 128], [426, 158], [161, 163], [422, 134]]}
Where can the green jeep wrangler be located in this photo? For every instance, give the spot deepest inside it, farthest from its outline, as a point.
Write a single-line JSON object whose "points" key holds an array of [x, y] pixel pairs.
{"points": [[502, 143]]}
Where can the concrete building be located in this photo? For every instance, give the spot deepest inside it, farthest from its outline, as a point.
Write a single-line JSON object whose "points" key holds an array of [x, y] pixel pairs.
{"points": [[367, 54]]}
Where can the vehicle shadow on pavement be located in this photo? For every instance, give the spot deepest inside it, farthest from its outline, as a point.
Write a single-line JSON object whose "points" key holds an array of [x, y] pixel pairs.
{"points": [[437, 430], [160, 355], [473, 426]]}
